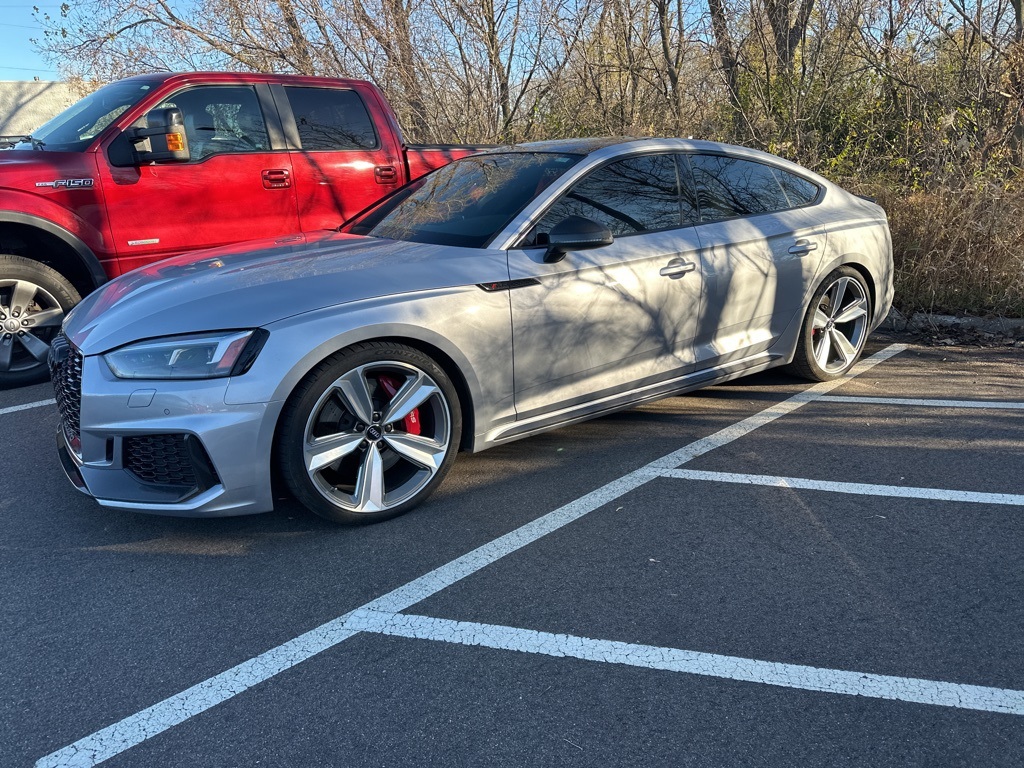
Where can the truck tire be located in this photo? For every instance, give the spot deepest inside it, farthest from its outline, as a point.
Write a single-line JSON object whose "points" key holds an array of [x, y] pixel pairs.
{"points": [[33, 301]]}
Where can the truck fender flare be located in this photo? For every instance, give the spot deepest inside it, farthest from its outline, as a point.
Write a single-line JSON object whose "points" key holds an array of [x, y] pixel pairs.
{"points": [[85, 255]]}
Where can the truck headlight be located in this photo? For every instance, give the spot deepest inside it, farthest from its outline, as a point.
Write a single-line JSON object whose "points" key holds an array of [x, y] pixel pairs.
{"points": [[195, 356]]}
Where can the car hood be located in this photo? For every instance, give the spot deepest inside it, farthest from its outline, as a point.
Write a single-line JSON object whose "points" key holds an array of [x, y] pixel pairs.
{"points": [[256, 284]]}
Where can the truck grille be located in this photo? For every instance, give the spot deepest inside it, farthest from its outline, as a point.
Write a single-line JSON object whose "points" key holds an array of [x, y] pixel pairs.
{"points": [[65, 363], [169, 460]]}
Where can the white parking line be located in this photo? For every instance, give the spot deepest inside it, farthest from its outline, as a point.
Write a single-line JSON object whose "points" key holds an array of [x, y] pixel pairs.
{"points": [[176, 709], [26, 406], [805, 678], [862, 489], [925, 403]]}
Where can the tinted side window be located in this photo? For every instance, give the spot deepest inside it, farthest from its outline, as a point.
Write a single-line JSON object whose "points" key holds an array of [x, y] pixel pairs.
{"points": [[331, 119], [799, 191], [639, 194], [728, 187], [221, 119]]}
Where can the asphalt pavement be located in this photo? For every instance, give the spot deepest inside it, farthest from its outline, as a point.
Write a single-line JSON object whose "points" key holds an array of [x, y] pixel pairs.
{"points": [[765, 573]]}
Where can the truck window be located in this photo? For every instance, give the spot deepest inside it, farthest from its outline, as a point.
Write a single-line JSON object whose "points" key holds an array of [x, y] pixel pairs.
{"points": [[221, 119], [330, 119]]}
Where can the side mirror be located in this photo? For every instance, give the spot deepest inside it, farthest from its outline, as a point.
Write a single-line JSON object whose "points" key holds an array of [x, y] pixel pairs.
{"points": [[575, 234], [165, 135]]}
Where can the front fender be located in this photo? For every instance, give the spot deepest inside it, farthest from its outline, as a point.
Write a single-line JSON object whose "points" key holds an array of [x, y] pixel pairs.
{"points": [[470, 326], [85, 255], [76, 214]]}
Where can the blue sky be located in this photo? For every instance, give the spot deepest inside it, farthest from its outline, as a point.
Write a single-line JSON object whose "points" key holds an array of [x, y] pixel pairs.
{"points": [[18, 60]]}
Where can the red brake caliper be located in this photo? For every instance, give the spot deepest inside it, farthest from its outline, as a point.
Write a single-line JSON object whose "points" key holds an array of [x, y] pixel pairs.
{"points": [[410, 422]]}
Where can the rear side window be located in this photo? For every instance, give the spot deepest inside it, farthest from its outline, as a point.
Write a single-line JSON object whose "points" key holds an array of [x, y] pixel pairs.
{"points": [[728, 187], [639, 194], [799, 191], [331, 119]]}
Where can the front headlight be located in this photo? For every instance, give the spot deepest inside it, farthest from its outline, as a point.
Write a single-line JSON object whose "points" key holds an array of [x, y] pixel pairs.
{"points": [[195, 356]]}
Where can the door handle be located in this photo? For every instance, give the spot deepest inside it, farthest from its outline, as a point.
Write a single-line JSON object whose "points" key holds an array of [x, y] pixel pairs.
{"points": [[385, 174], [276, 178], [802, 247], [677, 268]]}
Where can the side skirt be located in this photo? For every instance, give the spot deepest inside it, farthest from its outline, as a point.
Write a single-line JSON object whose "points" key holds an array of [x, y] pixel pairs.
{"points": [[507, 433]]}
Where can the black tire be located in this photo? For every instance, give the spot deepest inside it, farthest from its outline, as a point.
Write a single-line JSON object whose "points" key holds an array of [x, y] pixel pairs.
{"points": [[833, 333], [47, 296], [343, 455]]}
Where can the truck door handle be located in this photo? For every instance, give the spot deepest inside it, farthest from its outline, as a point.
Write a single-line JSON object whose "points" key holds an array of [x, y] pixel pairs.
{"points": [[677, 268], [385, 174], [276, 178], [802, 247]]}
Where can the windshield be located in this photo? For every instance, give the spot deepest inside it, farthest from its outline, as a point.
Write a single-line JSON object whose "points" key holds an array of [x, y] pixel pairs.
{"points": [[75, 128], [465, 203]]}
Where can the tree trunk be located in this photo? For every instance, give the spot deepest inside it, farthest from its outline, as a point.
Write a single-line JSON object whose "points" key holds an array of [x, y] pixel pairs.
{"points": [[728, 58]]}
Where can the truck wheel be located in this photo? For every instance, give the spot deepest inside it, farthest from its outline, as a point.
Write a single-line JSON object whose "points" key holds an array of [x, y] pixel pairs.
{"points": [[33, 301]]}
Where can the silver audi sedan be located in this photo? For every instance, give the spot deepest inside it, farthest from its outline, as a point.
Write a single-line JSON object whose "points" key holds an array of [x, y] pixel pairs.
{"points": [[506, 294]]}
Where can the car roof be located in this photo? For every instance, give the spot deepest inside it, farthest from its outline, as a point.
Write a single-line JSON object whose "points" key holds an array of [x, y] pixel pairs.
{"points": [[607, 147], [590, 145]]}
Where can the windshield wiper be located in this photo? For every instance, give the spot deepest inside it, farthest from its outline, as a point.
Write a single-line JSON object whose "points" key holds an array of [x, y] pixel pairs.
{"points": [[21, 138]]}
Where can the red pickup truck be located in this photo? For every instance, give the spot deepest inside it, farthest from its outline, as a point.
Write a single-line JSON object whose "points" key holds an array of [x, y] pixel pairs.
{"points": [[155, 165]]}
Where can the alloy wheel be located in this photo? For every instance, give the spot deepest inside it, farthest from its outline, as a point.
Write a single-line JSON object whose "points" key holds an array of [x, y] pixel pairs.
{"points": [[377, 436], [839, 326], [30, 317]]}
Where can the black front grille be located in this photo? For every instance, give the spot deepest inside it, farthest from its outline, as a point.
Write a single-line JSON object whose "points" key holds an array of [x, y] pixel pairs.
{"points": [[169, 460], [66, 373]]}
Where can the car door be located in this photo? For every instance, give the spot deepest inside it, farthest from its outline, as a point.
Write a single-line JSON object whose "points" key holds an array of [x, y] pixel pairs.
{"points": [[236, 186], [612, 319], [760, 248], [342, 163]]}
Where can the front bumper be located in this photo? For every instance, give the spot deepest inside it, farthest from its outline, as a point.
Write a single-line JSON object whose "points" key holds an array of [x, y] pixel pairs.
{"points": [[169, 447]]}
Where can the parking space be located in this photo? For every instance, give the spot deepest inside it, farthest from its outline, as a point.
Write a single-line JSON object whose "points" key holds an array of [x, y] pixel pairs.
{"points": [[792, 576], [943, 448], [764, 573], [386, 701]]}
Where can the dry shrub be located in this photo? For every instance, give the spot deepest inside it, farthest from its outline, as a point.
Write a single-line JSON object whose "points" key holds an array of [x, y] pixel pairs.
{"points": [[959, 250]]}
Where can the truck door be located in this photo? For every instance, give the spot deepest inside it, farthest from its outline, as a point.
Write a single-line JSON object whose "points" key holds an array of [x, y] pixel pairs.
{"points": [[341, 162], [237, 186]]}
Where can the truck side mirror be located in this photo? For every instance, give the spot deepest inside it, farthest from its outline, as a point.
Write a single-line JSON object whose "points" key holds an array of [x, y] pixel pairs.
{"points": [[166, 137]]}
